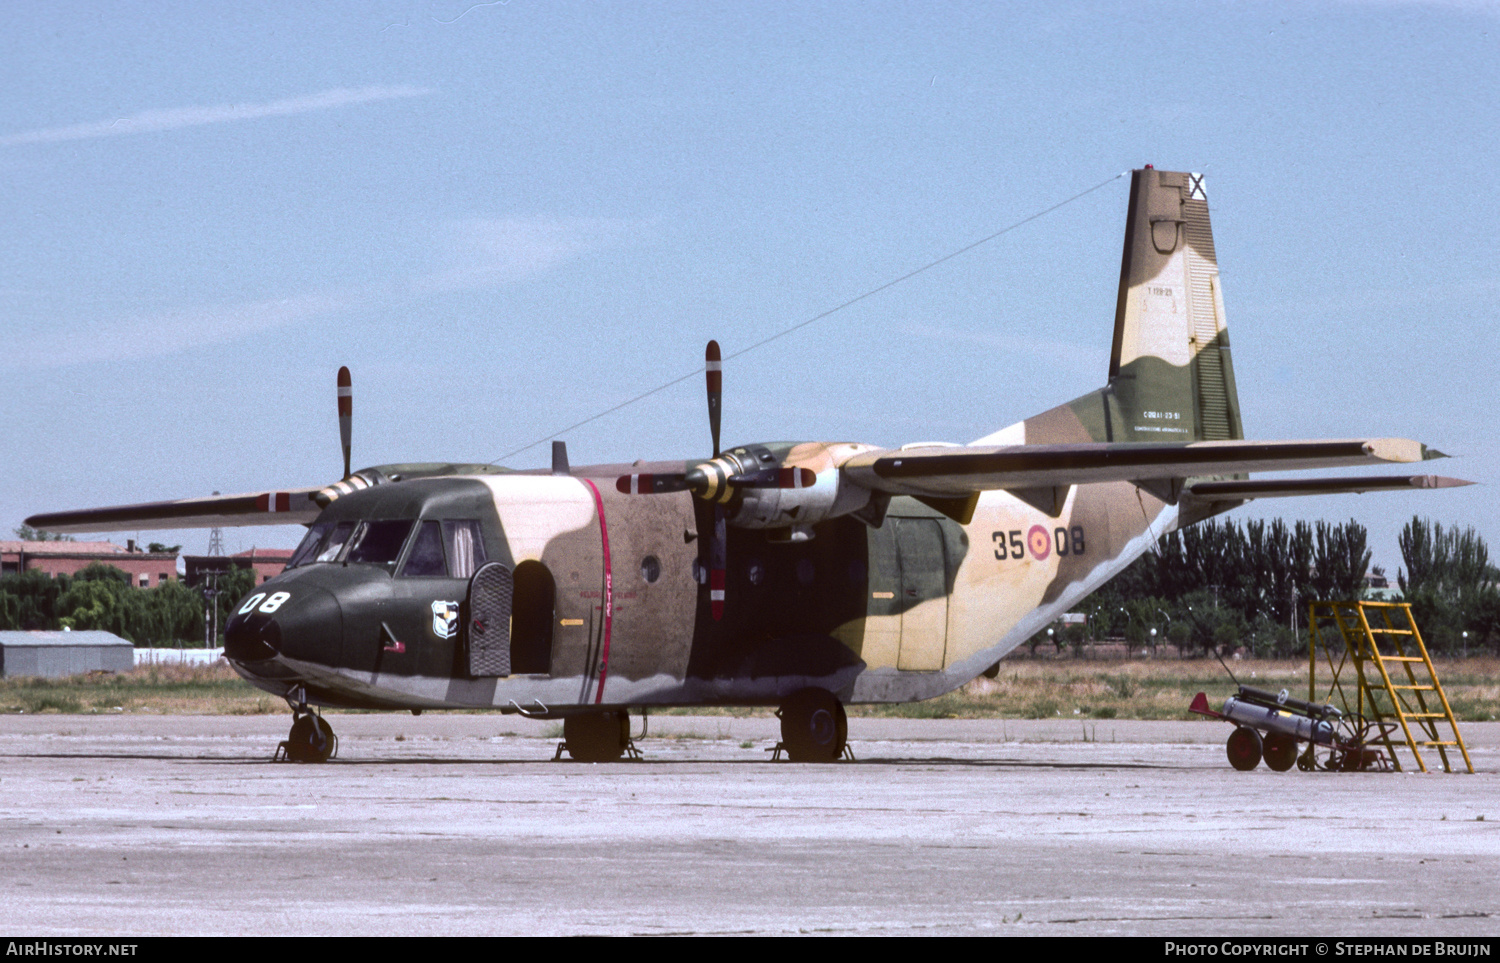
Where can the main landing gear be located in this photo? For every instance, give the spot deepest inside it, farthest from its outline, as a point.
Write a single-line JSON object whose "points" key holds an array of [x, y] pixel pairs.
{"points": [[814, 727], [597, 737], [311, 738]]}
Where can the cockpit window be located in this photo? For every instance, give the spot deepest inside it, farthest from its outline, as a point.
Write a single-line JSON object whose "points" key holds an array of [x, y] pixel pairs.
{"points": [[426, 555], [378, 543], [329, 548], [309, 546], [465, 542]]}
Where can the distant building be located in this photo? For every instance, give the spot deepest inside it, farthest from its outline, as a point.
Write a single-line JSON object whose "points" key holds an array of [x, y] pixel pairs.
{"points": [[146, 569], [267, 563], [57, 654], [1378, 588]]}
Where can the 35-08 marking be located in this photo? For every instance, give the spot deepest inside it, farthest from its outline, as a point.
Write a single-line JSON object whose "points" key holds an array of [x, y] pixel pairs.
{"points": [[1038, 542]]}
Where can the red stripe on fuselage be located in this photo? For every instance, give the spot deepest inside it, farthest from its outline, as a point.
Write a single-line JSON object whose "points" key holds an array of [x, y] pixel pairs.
{"points": [[609, 592]]}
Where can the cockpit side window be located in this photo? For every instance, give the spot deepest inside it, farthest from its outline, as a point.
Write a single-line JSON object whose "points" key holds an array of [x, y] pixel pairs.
{"points": [[426, 555], [465, 541], [328, 549], [309, 548], [378, 543]]}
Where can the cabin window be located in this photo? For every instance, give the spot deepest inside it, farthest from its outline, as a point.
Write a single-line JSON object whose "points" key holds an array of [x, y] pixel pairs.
{"points": [[378, 543], [465, 542], [650, 568], [426, 555]]}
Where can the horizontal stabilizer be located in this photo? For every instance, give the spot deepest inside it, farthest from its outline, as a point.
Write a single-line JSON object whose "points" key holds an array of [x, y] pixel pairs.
{"points": [[291, 507], [949, 472], [1291, 487]]}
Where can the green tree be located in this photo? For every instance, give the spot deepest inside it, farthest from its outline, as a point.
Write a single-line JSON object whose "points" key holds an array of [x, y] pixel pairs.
{"points": [[28, 534]]}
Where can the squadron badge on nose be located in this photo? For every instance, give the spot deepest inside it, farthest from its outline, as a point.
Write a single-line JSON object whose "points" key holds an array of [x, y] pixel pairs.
{"points": [[444, 619]]}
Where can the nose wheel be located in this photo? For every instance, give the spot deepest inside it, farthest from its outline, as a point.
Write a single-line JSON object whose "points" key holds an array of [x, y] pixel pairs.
{"points": [[311, 738]]}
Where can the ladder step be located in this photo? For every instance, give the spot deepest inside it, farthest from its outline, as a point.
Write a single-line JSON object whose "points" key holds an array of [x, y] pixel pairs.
{"points": [[1450, 742], [1399, 658], [1424, 715], [1417, 688]]}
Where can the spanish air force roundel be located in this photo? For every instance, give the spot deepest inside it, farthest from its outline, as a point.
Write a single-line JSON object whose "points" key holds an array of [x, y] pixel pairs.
{"points": [[1039, 540]]}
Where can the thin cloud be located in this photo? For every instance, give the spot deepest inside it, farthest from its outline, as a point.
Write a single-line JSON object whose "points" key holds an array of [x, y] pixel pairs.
{"points": [[168, 332], [172, 118], [483, 252], [477, 253]]}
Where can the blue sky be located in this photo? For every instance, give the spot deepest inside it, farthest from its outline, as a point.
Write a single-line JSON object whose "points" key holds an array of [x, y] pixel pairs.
{"points": [[507, 217]]}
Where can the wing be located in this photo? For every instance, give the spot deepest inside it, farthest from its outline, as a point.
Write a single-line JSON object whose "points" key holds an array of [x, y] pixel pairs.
{"points": [[953, 472], [1215, 491], [295, 506]]}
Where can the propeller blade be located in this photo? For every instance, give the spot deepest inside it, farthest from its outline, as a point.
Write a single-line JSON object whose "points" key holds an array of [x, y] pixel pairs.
{"points": [[649, 484], [713, 370], [346, 414]]}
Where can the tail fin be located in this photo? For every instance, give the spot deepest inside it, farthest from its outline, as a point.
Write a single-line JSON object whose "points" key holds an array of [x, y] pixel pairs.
{"points": [[1170, 374]]}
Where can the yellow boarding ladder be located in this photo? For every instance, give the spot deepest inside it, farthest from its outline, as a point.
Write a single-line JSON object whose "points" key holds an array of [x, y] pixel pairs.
{"points": [[1365, 627]]}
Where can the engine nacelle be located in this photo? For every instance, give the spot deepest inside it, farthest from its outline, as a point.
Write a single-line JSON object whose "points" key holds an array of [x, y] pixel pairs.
{"points": [[798, 509]]}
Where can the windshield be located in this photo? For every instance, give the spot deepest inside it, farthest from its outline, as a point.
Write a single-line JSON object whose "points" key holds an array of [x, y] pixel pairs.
{"points": [[378, 543], [309, 546]]}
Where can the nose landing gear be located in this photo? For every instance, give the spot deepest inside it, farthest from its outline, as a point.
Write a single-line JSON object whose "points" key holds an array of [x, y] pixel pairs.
{"points": [[311, 738]]}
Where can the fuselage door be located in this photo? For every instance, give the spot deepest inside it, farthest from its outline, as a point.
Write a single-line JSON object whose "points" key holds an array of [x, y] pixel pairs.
{"points": [[924, 594], [488, 629]]}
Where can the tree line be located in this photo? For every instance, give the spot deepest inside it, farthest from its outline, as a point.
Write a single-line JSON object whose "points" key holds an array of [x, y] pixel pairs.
{"points": [[1222, 585], [101, 597]]}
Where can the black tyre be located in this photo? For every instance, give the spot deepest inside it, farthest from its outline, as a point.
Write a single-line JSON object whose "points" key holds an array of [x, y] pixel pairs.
{"points": [[311, 739], [1244, 749], [814, 727], [1280, 751], [597, 736]]}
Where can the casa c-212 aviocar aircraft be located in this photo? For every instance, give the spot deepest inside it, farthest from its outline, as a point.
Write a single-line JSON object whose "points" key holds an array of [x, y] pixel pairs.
{"points": [[802, 575]]}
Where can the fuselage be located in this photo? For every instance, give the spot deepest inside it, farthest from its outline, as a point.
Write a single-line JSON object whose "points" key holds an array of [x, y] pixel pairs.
{"points": [[610, 603]]}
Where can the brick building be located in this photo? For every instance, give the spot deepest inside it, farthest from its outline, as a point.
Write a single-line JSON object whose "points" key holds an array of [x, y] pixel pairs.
{"points": [[146, 569], [267, 563]]}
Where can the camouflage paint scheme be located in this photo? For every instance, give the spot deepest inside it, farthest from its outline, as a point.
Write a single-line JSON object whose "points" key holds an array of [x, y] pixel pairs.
{"points": [[900, 612], [877, 575]]}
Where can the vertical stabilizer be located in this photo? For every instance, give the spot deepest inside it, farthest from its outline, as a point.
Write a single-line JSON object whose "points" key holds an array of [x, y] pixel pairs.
{"points": [[1170, 375]]}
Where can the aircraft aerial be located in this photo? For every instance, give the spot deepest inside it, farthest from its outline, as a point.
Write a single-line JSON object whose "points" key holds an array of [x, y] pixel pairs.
{"points": [[801, 575]]}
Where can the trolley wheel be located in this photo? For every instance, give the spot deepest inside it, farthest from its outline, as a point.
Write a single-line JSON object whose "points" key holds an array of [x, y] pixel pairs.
{"points": [[1243, 748], [1280, 751]]}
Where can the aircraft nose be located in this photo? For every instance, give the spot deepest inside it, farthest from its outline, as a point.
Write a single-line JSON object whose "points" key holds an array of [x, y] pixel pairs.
{"points": [[301, 621]]}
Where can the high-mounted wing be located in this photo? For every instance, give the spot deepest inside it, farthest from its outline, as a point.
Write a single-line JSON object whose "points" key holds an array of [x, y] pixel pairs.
{"points": [[1217, 491], [942, 472], [291, 507]]}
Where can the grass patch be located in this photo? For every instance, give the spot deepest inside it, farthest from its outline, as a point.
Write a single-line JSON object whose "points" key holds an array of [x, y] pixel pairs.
{"points": [[1024, 689], [1151, 689], [172, 689]]}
